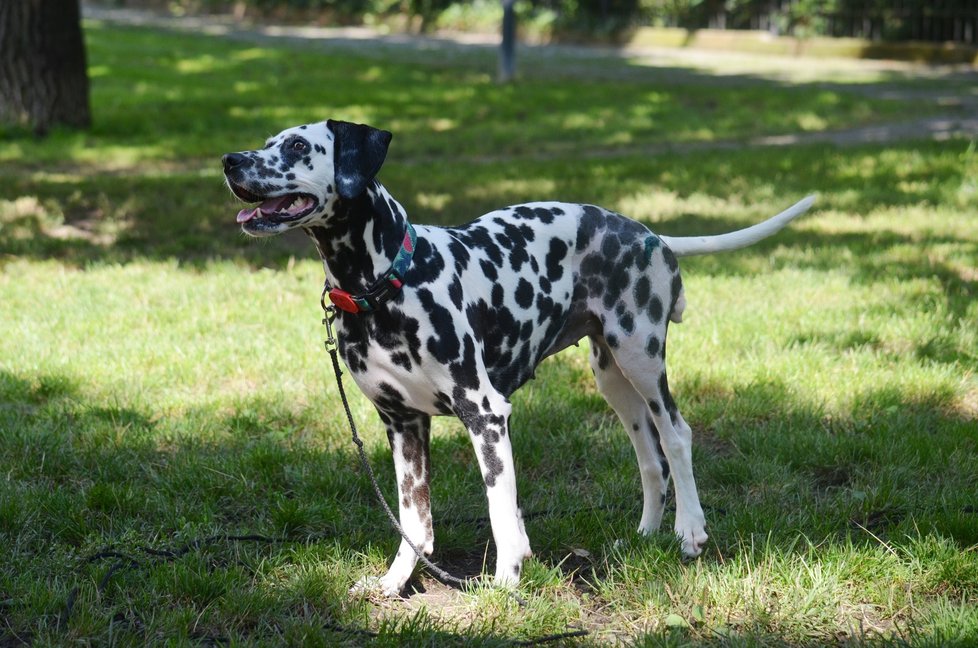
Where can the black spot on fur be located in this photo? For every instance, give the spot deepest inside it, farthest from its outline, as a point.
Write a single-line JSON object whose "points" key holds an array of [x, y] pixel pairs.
{"points": [[652, 346], [670, 259], [610, 246], [544, 215], [444, 345], [455, 292], [594, 265], [618, 282], [427, 264], [677, 288], [663, 462], [401, 359], [591, 219], [601, 355], [626, 322], [667, 396], [517, 258], [489, 270], [460, 254], [389, 398], [477, 236], [498, 297], [494, 465], [655, 309], [642, 292], [524, 294], [465, 372], [555, 259]]}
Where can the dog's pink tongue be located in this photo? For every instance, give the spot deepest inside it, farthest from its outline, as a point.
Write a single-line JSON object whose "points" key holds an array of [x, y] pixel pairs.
{"points": [[270, 206], [246, 215]]}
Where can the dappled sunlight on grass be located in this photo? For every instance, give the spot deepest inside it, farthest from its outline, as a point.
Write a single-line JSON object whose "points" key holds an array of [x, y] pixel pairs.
{"points": [[791, 70], [509, 191], [202, 64], [811, 122], [219, 100], [109, 158], [250, 54]]}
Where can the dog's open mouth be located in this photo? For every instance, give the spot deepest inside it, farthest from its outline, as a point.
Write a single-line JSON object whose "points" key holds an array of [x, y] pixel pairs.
{"points": [[278, 209]]}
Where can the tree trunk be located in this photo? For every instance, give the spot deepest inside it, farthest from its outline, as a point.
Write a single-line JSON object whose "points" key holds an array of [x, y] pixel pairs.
{"points": [[507, 49], [43, 74]]}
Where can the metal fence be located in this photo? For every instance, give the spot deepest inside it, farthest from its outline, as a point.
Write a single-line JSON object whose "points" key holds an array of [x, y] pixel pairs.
{"points": [[895, 20], [939, 21]]}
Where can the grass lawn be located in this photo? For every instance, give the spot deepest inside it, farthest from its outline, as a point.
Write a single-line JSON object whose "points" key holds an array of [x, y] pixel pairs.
{"points": [[175, 466]]}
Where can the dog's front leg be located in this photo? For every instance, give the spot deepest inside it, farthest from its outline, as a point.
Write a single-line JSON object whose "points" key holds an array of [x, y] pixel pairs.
{"points": [[409, 438], [488, 427]]}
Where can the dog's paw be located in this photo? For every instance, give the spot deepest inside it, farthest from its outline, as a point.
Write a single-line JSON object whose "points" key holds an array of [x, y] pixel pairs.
{"points": [[693, 539], [385, 586], [507, 577], [509, 561]]}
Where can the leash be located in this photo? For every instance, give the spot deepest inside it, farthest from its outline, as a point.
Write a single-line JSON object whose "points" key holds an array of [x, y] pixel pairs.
{"points": [[329, 314]]}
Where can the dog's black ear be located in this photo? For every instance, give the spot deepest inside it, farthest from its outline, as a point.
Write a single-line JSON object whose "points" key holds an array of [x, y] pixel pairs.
{"points": [[358, 153]]}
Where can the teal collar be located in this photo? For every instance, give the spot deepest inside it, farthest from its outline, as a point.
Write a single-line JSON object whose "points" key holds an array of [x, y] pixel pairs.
{"points": [[385, 288]]}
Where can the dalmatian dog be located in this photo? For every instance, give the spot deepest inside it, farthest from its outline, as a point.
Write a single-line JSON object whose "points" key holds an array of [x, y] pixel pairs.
{"points": [[453, 320]]}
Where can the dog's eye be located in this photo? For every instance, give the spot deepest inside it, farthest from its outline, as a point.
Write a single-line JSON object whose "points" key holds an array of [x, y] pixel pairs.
{"points": [[298, 146]]}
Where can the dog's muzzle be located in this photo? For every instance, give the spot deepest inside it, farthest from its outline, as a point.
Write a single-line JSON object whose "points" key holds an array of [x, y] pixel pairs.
{"points": [[274, 208]]}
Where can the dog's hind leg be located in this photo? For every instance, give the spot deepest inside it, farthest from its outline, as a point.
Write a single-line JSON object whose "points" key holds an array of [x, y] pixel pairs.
{"points": [[645, 368], [409, 438], [635, 415]]}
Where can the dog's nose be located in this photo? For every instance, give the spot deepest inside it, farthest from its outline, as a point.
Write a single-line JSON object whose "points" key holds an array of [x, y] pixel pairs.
{"points": [[232, 160]]}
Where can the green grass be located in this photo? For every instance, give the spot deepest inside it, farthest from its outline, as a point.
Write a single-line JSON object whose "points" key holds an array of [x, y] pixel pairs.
{"points": [[162, 380]]}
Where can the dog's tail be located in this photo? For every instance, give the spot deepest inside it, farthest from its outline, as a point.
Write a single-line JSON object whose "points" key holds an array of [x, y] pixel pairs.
{"points": [[691, 245]]}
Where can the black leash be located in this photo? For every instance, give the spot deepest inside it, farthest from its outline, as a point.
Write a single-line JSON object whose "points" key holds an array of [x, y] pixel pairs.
{"points": [[440, 574], [331, 347], [125, 562]]}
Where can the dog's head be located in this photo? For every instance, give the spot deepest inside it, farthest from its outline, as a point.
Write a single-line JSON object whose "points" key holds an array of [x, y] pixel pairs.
{"points": [[302, 173]]}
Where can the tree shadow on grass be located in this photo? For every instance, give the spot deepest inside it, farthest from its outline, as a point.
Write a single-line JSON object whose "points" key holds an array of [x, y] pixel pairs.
{"points": [[190, 218], [85, 477]]}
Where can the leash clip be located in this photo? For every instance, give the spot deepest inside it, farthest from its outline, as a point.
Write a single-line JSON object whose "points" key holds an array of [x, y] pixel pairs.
{"points": [[329, 314]]}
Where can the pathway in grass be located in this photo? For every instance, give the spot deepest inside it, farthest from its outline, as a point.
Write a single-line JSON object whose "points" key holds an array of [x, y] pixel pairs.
{"points": [[954, 113]]}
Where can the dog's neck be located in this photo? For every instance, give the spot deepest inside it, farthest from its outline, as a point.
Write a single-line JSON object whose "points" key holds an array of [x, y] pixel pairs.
{"points": [[359, 242]]}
